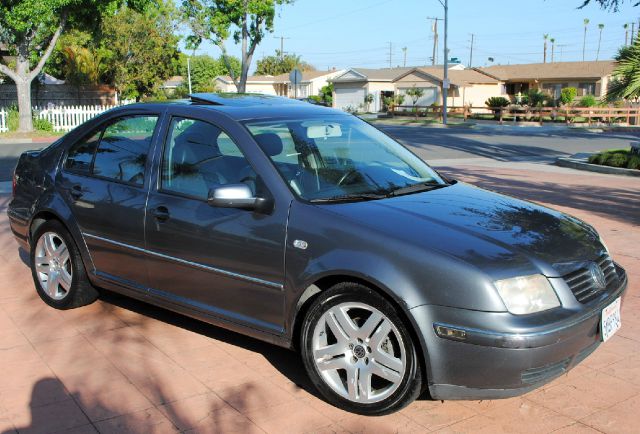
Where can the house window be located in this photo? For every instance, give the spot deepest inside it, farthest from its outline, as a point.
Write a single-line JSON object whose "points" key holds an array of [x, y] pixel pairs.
{"points": [[586, 89]]}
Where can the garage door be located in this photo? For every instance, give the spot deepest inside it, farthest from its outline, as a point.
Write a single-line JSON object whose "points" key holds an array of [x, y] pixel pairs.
{"points": [[346, 97]]}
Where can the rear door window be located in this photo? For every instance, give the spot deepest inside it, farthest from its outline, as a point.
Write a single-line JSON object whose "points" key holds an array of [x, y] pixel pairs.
{"points": [[80, 155], [124, 146]]}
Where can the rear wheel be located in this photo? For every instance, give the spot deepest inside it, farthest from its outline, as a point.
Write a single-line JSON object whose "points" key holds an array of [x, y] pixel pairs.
{"points": [[57, 268], [358, 352]]}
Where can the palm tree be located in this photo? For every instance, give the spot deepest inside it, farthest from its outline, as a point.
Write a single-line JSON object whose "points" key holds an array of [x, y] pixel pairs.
{"points": [[584, 39], [553, 47], [544, 56], [600, 26], [625, 84], [626, 34]]}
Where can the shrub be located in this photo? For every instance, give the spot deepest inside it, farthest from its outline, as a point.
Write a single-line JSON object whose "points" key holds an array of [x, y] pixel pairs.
{"points": [[634, 162], [42, 125], [497, 101], [588, 101], [568, 94], [13, 119], [536, 97], [617, 160]]}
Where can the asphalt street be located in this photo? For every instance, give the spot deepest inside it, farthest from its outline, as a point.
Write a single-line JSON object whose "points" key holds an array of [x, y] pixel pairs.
{"points": [[500, 143]]}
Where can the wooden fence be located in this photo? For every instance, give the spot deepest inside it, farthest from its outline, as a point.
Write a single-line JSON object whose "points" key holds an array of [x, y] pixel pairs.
{"points": [[568, 115]]}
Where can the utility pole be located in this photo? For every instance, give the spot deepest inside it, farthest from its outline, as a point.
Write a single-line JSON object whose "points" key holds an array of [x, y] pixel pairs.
{"points": [[282, 38], [189, 72], [471, 51], [445, 81], [390, 53], [434, 29], [633, 28], [404, 50]]}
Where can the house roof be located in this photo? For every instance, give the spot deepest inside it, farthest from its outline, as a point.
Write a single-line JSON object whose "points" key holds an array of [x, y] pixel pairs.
{"points": [[551, 71], [369, 74], [457, 77], [281, 78], [174, 81]]}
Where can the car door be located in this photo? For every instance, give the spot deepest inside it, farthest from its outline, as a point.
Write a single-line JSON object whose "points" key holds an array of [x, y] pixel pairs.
{"points": [[224, 262], [103, 179]]}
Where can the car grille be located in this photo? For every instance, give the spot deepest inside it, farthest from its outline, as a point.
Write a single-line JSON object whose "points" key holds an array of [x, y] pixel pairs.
{"points": [[582, 285]]}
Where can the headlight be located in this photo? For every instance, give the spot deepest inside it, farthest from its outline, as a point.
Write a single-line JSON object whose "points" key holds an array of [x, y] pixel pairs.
{"points": [[527, 294]]}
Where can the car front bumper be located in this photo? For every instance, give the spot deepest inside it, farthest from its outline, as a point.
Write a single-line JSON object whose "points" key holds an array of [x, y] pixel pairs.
{"points": [[481, 363]]}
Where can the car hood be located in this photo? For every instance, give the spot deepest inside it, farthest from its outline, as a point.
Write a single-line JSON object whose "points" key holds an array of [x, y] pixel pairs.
{"points": [[501, 235]]}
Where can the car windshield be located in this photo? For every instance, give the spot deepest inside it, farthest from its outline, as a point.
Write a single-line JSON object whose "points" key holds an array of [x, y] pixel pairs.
{"points": [[336, 158]]}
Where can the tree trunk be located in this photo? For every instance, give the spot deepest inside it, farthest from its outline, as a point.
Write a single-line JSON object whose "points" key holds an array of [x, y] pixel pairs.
{"points": [[24, 105]]}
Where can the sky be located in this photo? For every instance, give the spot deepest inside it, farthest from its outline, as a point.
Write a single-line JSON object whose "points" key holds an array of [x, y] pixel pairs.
{"points": [[351, 33]]}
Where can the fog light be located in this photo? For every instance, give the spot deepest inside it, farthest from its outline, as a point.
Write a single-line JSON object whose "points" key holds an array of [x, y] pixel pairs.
{"points": [[450, 333]]}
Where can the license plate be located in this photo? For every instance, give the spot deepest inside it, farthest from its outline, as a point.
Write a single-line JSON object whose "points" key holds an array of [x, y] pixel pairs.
{"points": [[611, 320]]}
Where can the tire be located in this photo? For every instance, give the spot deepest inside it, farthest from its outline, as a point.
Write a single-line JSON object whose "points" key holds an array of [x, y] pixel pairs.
{"points": [[71, 287], [352, 333]]}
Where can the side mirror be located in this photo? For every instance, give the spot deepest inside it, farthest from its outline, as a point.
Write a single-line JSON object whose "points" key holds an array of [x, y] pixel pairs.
{"points": [[238, 196]]}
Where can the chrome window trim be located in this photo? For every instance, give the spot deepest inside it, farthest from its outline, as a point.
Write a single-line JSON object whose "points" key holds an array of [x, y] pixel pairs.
{"points": [[189, 263]]}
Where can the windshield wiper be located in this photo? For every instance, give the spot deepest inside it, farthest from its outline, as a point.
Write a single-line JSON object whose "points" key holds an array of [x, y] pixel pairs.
{"points": [[350, 197], [415, 188]]}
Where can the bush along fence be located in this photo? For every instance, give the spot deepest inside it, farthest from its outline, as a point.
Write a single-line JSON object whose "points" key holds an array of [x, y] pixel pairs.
{"points": [[568, 115]]}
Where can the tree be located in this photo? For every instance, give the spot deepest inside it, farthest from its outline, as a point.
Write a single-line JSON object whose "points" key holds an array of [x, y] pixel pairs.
{"points": [[29, 29], [626, 82], [205, 69], [279, 64], [368, 99], [141, 48], [567, 95], [326, 93], [544, 56], [415, 93], [584, 39], [553, 47], [612, 5], [625, 26], [600, 26], [245, 20]]}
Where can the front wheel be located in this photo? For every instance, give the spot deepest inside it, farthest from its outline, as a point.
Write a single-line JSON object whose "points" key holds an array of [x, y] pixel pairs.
{"points": [[358, 352]]}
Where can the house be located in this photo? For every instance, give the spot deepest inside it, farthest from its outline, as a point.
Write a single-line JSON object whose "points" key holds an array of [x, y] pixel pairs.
{"points": [[590, 78], [311, 83], [350, 87], [467, 86], [170, 85]]}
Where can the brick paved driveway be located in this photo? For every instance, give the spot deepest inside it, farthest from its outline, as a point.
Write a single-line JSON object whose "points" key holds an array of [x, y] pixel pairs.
{"points": [[122, 366]]}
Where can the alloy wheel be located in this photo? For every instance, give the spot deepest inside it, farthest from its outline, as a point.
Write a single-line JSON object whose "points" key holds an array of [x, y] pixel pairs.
{"points": [[53, 265], [359, 352]]}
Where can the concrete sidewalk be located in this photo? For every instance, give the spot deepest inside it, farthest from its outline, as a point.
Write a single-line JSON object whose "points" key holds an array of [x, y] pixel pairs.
{"points": [[122, 366]]}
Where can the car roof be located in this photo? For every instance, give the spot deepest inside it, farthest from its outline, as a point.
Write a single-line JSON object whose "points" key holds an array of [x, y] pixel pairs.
{"points": [[242, 107]]}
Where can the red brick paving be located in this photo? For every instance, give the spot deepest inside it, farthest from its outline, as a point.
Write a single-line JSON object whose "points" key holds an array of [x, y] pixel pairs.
{"points": [[120, 366]]}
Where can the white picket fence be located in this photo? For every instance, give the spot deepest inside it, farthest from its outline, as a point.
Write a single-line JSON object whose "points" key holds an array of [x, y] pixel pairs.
{"points": [[68, 117], [3, 121]]}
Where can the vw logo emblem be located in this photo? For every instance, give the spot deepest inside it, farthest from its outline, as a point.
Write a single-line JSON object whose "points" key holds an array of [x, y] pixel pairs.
{"points": [[597, 276]]}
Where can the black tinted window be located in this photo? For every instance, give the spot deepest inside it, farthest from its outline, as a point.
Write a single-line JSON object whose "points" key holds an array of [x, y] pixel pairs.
{"points": [[81, 154], [123, 149]]}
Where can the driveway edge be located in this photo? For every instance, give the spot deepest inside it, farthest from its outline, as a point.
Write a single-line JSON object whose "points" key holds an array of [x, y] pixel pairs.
{"points": [[582, 164]]}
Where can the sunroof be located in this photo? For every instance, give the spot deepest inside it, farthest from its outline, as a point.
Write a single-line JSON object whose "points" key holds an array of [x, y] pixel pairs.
{"points": [[239, 99]]}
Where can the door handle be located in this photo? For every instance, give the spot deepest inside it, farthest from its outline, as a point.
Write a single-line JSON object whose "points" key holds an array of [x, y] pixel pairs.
{"points": [[161, 213], [76, 191]]}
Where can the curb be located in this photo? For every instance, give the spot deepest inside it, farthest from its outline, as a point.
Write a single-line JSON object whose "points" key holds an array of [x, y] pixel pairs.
{"points": [[18, 140], [581, 164]]}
